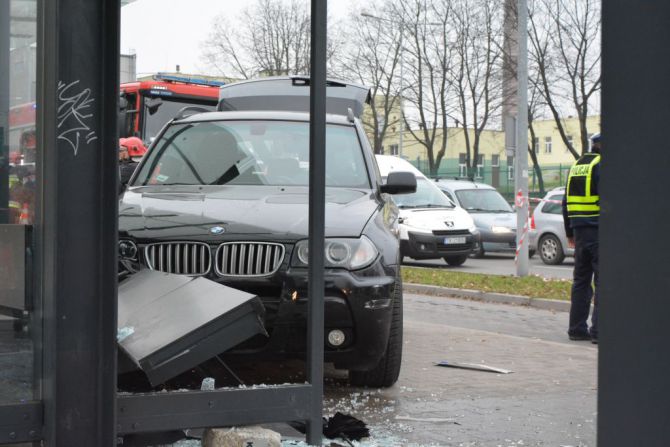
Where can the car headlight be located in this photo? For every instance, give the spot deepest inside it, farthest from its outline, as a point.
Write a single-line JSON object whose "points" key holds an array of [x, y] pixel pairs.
{"points": [[352, 254], [499, 230]]}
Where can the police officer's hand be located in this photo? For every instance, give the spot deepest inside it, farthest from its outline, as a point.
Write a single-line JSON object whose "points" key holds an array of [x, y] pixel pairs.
{"points": [[571, 242]]}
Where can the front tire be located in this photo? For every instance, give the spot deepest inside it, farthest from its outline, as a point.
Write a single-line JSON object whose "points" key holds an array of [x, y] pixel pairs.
{"points": [[551, 250], [455, 261], [386, 373]]}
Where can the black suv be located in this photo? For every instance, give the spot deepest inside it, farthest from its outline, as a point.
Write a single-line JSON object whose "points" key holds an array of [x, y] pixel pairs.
{"points": [[224, 195]]}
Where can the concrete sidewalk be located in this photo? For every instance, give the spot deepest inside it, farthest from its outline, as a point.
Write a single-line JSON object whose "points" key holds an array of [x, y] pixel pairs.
{"points": [[491, 297]]}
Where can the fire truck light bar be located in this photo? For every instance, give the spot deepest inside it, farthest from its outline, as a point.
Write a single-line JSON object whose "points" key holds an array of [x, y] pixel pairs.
{"points": [[187, 80]]}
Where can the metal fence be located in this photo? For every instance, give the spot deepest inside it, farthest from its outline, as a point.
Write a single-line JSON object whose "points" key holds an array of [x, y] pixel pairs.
{"points": [[502, 177]]}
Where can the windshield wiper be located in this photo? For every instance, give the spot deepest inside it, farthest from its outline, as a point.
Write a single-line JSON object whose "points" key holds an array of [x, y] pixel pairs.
{"points": [[432, 205]]}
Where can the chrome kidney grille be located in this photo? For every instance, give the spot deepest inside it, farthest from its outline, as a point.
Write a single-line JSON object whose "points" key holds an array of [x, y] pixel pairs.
{"points": [[248, 258], [182, 258]]}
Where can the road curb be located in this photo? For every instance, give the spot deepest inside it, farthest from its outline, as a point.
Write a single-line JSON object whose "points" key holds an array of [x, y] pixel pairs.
{"points": [[478, 295]]}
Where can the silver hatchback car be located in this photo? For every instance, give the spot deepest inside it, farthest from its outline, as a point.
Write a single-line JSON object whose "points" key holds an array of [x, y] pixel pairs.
{"points": [[547, 234]]}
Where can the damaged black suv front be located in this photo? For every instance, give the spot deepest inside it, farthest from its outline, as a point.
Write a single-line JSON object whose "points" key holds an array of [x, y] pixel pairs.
{"points": [[224, 195]]}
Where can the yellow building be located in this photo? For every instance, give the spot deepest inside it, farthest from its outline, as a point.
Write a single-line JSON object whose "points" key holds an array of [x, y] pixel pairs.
{"points": [[493, 165], [549, 146]]}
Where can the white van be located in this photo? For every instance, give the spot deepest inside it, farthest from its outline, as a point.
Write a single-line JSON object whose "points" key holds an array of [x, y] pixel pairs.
{"points": [[431, 225]]}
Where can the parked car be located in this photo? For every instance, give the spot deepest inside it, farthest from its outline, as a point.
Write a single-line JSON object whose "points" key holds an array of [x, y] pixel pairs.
{"points": [[224, 195], [494, 218], [547, 233], [431, 225]]}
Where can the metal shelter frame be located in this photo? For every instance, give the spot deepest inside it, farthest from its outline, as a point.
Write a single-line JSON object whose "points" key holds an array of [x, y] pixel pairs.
{"points": [[78, 48]]}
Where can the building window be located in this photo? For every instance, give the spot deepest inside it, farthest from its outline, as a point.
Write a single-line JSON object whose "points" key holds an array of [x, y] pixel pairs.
{"points": [[547, 145], [510, 168], [480, 166], [536, 145], [393, 149], [495, 160], [570, 143], [462, 166]]}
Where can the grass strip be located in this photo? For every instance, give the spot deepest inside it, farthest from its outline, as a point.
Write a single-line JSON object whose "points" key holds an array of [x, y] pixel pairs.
{"points": [[531, 286]]}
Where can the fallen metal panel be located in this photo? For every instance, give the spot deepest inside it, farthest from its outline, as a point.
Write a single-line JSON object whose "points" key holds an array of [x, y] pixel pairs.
{"points": [[21, 422], [142, 413], [474, 367], [171, 323]]}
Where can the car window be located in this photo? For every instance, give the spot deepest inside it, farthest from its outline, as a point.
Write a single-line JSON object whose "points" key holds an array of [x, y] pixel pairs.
{"points": [[483, 200], [427, 195], [553, 207], [251, 153]]}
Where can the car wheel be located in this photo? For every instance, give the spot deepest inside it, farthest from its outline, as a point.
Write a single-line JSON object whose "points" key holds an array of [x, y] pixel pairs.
{"points": [[551, 250], [455, 261], [386, 373], [531, 253]]}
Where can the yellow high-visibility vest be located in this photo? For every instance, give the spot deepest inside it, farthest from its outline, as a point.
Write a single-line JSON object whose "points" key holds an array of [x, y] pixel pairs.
{"points": [[581, 196]]}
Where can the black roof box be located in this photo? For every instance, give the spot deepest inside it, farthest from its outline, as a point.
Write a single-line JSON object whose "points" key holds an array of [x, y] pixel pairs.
{"points": [[291, 94]]}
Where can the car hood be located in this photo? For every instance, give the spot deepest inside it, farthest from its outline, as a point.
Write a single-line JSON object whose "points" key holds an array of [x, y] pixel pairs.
{"points": [[190, 212], [437, 218], [486, 220]]}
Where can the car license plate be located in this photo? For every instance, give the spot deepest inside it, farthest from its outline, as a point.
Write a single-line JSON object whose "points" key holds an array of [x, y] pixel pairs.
{"points": [[454, 240]]}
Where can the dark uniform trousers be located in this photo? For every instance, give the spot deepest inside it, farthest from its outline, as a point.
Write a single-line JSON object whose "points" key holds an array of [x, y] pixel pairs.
{"points": [[585, 274]]}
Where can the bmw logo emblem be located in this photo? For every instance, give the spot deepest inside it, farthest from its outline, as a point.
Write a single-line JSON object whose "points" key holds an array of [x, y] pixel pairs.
{"points": [[217, 230]]}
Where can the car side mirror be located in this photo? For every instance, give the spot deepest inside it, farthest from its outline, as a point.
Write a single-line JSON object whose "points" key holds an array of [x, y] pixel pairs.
{"points": [[399, 183]]}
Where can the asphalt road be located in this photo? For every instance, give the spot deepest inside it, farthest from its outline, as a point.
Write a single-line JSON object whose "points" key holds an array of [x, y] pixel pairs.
{"points": [[501, 264]]}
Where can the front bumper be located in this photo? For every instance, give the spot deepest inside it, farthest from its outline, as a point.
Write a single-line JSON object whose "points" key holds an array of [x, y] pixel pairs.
{"points": [[498, 241], [358, 303], [434, 245]]}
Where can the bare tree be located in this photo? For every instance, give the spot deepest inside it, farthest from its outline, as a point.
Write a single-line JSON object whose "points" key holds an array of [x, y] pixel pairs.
{"points": [[564, 37], [428, 62], [270, 37], [476, 74], [535, 105], [372, 57]]}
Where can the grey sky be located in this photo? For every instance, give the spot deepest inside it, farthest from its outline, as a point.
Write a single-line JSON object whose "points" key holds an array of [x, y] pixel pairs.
{"points": [[166, 33]]}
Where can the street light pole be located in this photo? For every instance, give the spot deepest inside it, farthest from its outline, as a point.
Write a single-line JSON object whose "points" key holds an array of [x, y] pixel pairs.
{"points": [[521, 158]]}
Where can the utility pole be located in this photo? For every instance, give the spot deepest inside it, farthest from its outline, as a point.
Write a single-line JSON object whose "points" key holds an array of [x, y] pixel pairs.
{"points": [[401, 128], [521, 158], [515, 117]]}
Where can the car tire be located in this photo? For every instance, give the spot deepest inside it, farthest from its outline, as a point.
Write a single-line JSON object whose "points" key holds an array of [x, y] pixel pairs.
{"points": [[455, 261], [386, 373], [531, 253], [551, 250]]}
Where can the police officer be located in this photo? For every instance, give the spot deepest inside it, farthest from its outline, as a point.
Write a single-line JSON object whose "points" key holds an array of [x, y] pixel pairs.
{"points": [[581, 210]]}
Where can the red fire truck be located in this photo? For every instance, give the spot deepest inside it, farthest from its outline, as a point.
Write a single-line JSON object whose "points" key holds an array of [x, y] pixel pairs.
{"points": [[147, 105]]}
